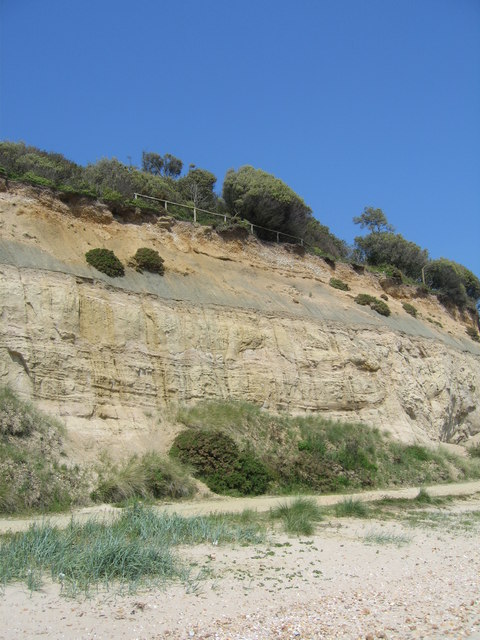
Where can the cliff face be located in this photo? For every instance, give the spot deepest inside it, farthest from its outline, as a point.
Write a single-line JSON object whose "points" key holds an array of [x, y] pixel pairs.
{"points": [[230, 319]]}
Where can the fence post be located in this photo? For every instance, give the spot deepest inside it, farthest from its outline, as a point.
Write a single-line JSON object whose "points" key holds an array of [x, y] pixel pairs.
{"points": [[135, 196], [251, 229], [194, 214], [278, 236], [225, 219], [165, 205], [301, 241]]}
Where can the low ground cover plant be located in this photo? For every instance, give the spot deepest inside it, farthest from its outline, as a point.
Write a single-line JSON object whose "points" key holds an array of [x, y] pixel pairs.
{"points": [[377, 305], [105, 261], [339, 284], [410, 309]]}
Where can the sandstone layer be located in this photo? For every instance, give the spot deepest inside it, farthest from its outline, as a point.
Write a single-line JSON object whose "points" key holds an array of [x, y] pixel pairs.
{"points": [[230, 319]]}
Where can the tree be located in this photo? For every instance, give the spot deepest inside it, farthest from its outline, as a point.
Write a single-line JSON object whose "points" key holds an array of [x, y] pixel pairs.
{"points": [[168, 166], [152, 163], [264, 200], [382, 248], [198, 186], [374, 220]]}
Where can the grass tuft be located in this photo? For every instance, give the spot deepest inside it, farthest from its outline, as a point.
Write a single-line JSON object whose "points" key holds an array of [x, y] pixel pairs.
{"points": [[299, 517], [351, 508]]}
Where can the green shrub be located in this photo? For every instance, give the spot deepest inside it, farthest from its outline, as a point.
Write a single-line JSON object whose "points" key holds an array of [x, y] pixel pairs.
{"points": [[339, 284], [409, 308], [377, 305], [473, 333], [146, 259], [105, 261], [31, 178], [219, 461]]}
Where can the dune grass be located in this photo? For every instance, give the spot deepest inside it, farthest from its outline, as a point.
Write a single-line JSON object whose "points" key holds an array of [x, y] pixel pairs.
{"points": [[351, 508], [299, 517], [136, 548]]}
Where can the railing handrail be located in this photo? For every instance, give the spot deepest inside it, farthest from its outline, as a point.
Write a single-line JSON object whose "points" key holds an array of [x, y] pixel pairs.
{"points": [[213, 213]]}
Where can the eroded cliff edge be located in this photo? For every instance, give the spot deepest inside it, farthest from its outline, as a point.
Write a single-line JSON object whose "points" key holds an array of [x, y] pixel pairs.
{"points": [[230, 319]]}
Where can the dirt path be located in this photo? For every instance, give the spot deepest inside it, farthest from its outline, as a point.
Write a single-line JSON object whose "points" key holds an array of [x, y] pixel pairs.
{"points": [[221, 504]]}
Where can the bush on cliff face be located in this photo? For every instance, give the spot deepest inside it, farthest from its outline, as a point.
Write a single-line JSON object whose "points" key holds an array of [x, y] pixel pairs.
{"points": [[105, 261], [146, 259], [409, 308], [219, 461], [339, 284], [377, 305]]}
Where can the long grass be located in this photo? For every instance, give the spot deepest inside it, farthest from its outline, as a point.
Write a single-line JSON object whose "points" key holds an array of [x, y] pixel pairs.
{"points": [[351, 508], [299, 517], [136, 547]]}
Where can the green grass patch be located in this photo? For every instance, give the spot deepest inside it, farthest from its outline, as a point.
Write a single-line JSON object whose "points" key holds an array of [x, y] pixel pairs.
{"points": [[351, 508], [150, 476], [136, 548], [378, 538], [299, 517]]}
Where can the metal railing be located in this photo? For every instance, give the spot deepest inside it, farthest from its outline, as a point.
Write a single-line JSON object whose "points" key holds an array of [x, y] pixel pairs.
{"points": [[225, 216]]}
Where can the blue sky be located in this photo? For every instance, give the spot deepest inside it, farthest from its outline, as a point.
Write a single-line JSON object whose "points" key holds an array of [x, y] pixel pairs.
{"points": [[352, 103]]}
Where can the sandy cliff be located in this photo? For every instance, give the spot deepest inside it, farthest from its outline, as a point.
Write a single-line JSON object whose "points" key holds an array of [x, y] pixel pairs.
{"points": [[230, 319]]}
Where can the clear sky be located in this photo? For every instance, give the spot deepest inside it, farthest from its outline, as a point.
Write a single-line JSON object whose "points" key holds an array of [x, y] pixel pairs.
{"points": [[352, 103]]}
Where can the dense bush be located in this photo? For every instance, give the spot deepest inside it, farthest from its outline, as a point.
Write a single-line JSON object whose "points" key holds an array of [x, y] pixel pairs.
{"points": [[219, 461], [105, 261], [377, 305], [454, 283], [387, 248], [339, 284], [409, 308], [146, 259]]}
